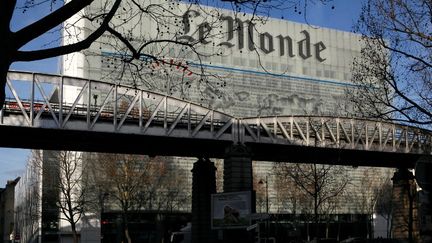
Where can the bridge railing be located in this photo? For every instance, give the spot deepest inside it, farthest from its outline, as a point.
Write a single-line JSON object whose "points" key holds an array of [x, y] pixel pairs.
{"points": [[50, 101], [334, 132], [60, 102]]}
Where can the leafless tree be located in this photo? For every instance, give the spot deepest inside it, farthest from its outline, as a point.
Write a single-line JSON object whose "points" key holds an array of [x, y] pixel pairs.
{"points": [[265, 187], [12, 45], [173, 193], [393, 73], [384, 204], [133, 183], [62, 192], [292, 199], [167, 188], [289, 196], [370, 195], [114, 20], [323, 184], [123, 177]]}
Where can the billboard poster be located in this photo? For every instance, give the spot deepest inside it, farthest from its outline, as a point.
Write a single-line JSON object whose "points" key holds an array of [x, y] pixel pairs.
{"points": [[231, 210]]}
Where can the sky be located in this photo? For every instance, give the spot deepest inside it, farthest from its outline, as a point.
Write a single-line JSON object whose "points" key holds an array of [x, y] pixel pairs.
{"points": [[338, 14]]}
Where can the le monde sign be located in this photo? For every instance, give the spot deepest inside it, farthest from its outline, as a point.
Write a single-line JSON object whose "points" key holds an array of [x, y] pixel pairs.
{"points": [[266, 42]]}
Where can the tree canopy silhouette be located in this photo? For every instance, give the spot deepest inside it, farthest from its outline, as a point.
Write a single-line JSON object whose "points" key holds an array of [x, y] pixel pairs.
{"points": [[394, 71]]}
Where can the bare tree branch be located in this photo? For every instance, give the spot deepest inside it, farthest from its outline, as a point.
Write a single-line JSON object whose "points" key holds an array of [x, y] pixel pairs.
{"points": [[393, 73], [62, 50]]}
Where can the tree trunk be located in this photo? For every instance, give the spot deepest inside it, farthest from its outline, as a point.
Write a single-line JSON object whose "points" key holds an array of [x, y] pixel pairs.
{"points": [[126, 227], [327, 229], [316, 194], [4, 68], [316, 214], [367, 227], [7, 48], [389, 226], [129, 240], [74, 233]]}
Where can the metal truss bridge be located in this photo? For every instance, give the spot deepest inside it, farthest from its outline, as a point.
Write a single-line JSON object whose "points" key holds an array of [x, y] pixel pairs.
{"points": [[57, 112]]}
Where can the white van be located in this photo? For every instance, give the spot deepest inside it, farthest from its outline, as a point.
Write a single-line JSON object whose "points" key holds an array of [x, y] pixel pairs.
{"points": [[182, 236]]}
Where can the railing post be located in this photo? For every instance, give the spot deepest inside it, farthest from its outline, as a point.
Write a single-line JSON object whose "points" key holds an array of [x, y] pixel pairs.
{"points": [[323, 138], [258, 127], [141, 110], [32, 95], [352, 134], [307, 132], [406, 140], [380, 135], [88, 104], [211, 122], [337, 133], [189, 125], [291, 128], [115, 107], [366, 136], [165, 114], [393, 138], [235, 132], [61, 102]]}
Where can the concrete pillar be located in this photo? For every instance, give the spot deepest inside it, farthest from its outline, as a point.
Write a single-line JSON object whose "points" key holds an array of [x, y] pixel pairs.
{"points": [[404, 215], [424, 180], [238, 176], [203, 185], [238, 169]]}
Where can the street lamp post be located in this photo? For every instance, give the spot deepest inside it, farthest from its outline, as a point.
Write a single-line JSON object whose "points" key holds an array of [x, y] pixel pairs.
{"points": [[95, 97]]}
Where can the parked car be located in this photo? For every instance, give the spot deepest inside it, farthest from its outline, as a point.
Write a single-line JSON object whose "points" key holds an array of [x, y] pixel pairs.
{"points": [[182, 236], [354, 240]]}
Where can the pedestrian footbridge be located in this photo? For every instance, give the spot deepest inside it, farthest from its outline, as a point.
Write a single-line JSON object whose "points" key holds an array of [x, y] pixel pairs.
{"points": [[57, 112]]}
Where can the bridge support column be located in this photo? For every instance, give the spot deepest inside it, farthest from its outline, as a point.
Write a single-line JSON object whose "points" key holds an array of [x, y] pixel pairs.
{"points": [[203, 185], [424, 180], [404, 216], [238, 169], [238, 176]]}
